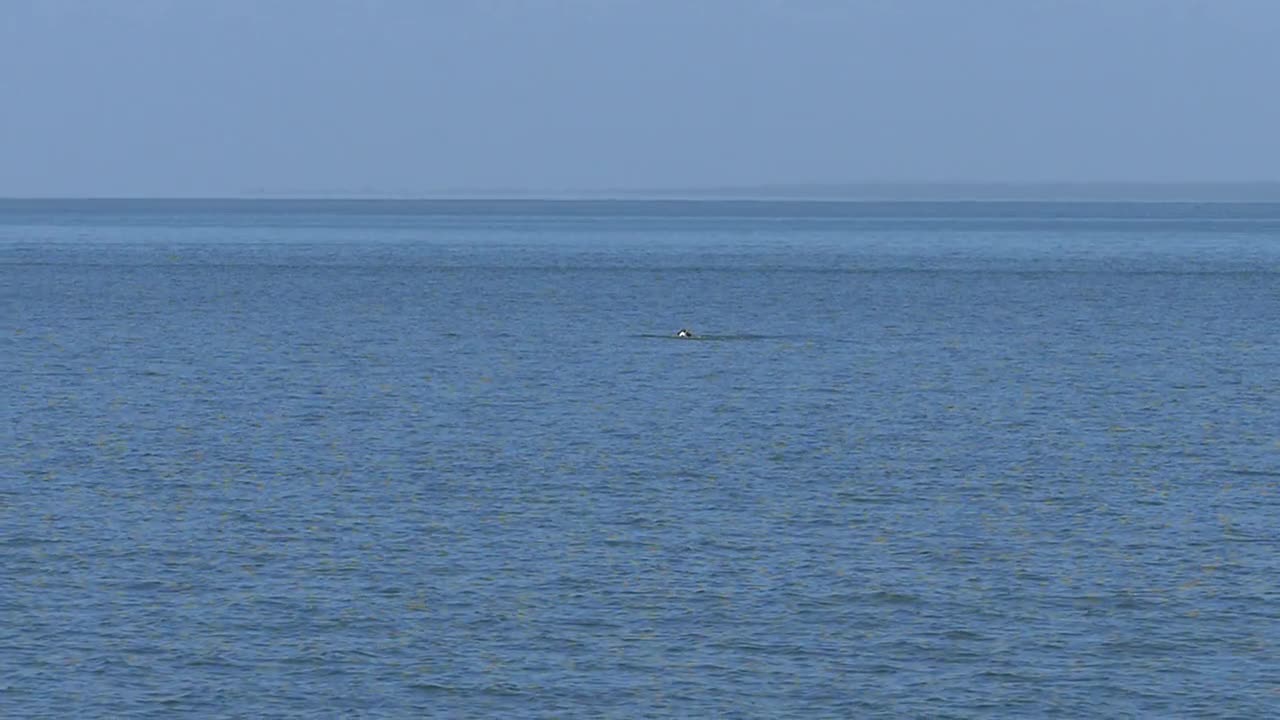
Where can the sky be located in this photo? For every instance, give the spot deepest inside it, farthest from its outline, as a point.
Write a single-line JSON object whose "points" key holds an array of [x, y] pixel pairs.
{"points": [[419, 97]]}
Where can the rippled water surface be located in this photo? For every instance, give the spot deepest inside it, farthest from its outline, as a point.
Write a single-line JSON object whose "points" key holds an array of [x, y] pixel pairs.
{"points": [[445, 460]]}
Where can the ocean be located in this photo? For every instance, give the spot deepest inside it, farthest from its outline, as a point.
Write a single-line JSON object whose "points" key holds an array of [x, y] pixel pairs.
{"points": [[390, 459]]}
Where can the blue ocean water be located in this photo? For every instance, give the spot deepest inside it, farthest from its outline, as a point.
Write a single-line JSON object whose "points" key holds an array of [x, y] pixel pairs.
{"points": [[443, 459]]}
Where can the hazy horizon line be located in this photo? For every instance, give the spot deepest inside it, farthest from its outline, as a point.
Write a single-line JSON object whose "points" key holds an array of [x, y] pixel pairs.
{"points": [[941, 191]]}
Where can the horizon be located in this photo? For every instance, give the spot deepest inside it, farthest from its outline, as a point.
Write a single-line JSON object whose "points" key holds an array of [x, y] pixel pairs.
{"points": [[853, 192]]}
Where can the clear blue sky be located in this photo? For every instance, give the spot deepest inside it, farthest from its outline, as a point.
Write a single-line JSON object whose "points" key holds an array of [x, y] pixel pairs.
{"points": [[224, 97]]}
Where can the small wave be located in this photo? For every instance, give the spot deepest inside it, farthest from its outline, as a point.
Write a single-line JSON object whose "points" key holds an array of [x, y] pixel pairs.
{"points": [[890, 597], [1248, 472]]}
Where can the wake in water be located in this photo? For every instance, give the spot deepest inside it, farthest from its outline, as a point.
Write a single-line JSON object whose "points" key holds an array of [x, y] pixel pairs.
{"points": [[694, 338]]}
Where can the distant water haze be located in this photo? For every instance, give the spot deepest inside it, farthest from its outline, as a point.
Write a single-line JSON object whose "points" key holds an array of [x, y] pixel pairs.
{"points": [[398, 98]]}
